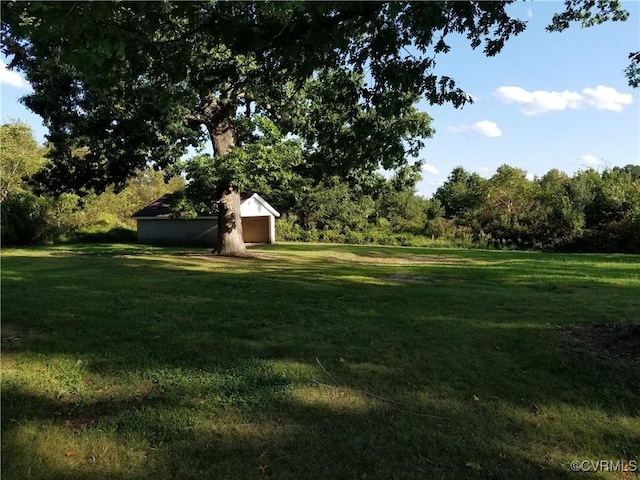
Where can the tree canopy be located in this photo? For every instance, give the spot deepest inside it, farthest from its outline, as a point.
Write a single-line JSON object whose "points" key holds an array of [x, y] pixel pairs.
{"points": [[137, 83], [20, 156]]}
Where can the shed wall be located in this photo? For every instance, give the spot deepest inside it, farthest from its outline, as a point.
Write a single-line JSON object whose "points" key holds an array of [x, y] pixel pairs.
{"points": [[197, 231], [253, 208]]}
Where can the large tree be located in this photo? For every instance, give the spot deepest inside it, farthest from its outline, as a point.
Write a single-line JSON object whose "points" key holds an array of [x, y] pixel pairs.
{"points": [[20, 157], [139, 82]]}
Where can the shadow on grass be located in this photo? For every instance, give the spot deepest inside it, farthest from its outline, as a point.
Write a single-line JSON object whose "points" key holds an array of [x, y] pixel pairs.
{"points": [[183, 367]]}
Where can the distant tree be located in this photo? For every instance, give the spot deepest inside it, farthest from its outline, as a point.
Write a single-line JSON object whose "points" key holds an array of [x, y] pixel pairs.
{"points": [[611, 204], [507, 211], [461, 194], [399, 205], [24, 219], [558, 220], [405, 178], [116, 208], [618, 200], [404, 210], [332, 206], [146, 186], [20, 157], [633, 170]]}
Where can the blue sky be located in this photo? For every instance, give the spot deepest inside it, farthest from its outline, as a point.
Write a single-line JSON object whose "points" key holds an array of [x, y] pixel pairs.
{"points": [[548, 100]]}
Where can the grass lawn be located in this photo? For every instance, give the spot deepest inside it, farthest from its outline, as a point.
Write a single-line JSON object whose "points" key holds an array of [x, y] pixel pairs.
{"points": [[316, 362]]}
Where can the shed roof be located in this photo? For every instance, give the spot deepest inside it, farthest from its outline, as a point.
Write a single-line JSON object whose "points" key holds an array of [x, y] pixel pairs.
{"points": [[161, 207]]}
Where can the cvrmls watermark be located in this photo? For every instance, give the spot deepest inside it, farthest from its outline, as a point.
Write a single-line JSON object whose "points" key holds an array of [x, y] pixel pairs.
{"points": [[604, 466]]}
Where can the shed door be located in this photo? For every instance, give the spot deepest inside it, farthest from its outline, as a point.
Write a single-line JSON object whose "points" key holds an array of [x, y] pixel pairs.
{"points": [[255, 229]]}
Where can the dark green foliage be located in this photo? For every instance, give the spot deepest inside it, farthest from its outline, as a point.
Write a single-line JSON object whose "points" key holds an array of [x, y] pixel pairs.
{"points": [[332, 207], [202, 179], [398, 206], [633, 70], [20, 157], [343, 135], [612, 217], [588, 13], [269, 164], [404, 211], [98, 234], [590, 211], [507, 209], [30, 219], [24, 219], [461, 194], [559, 218]]}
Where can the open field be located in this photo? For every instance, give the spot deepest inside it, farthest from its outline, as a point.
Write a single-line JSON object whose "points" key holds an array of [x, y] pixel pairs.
{"points": [[316, 362]]}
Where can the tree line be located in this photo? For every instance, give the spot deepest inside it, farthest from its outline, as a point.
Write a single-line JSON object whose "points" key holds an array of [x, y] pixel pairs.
{"points": [[589, 211], [31, 217]]}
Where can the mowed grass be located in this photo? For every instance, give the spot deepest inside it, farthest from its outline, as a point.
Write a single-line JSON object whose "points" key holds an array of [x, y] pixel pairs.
{"points": [[313, 362]]}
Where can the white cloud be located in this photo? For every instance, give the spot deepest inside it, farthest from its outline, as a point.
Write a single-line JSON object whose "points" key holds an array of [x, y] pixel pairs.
{"points": [[458, 129], [486, 128], [541, 101], [531, 177], [483, 170], [430, 169], [11, 78], [607, 98], [529, 14], [591, 160]]}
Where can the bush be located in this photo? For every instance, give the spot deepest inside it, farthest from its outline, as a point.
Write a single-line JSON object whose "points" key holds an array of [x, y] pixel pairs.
{"points": [[287, 229], [440, 228], [355, 238], [331, 236], [96, 234], [24, 219]]}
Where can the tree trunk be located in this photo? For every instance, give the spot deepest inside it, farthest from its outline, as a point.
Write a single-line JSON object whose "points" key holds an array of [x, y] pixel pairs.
{"points": [[222, 132], [230, 240]]}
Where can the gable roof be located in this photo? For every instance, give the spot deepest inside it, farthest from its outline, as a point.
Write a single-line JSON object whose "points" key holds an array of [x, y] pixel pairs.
{"points": [[245, 198], [161, 207]]}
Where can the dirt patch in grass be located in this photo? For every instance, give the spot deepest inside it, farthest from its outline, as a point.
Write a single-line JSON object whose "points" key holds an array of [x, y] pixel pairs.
{"points": [[621, 341], [402, 277], [212, 257], [373, 259], [14, 336]]}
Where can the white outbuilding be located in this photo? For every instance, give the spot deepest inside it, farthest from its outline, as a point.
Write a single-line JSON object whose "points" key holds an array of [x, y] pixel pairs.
{"points": [[158, 225]]}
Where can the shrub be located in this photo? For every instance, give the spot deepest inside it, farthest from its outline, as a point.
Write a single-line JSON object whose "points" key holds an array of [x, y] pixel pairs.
{"points": [[96, 234], [356, 238], [287, 228], [24, 219], [331, 236]]}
